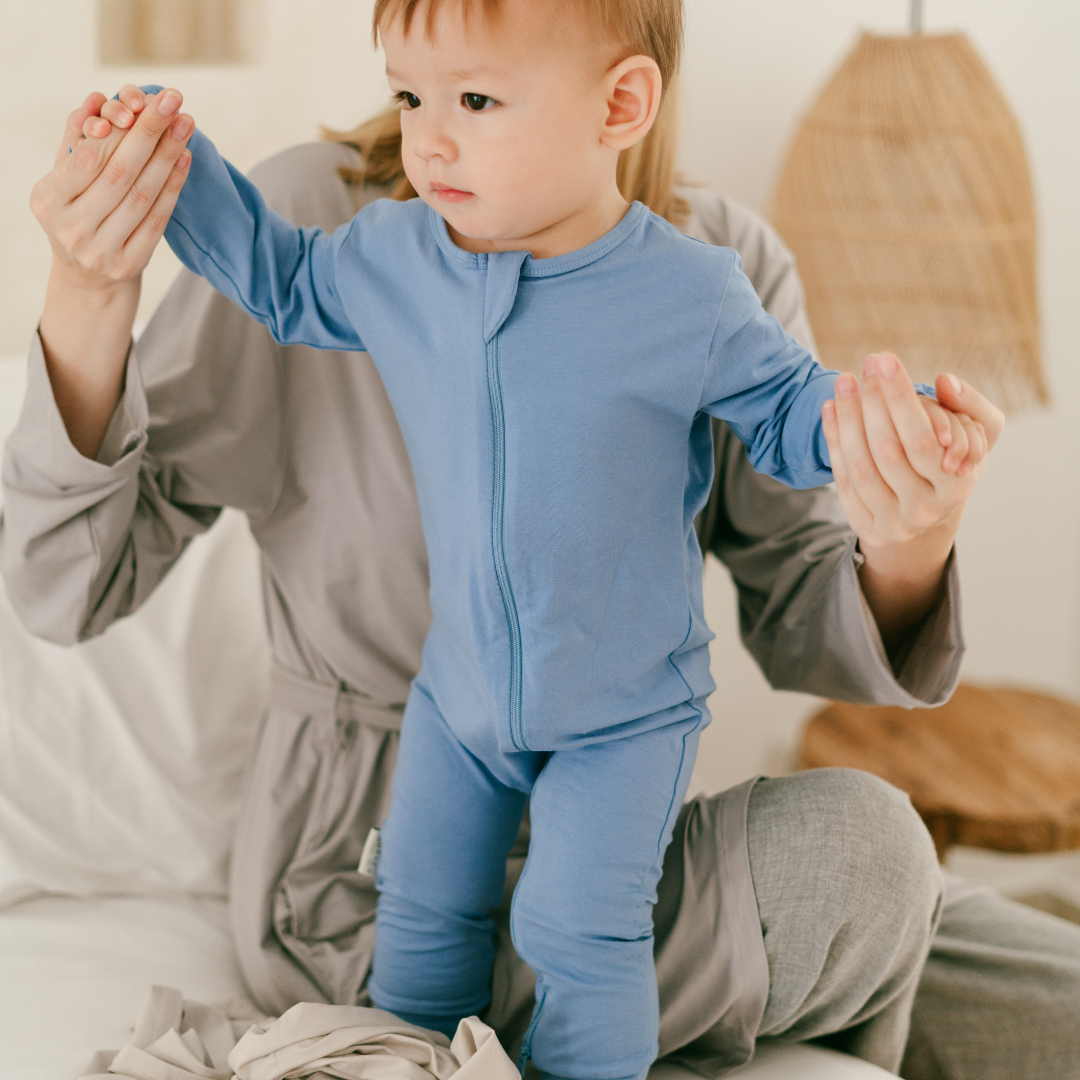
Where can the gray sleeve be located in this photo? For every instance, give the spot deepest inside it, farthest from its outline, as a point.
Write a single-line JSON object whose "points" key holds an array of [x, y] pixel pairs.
{"points": [[791, 553], [84, 542]]}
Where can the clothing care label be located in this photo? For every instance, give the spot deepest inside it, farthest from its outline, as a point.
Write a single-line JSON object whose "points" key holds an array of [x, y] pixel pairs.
{"points": [[369, 857]]}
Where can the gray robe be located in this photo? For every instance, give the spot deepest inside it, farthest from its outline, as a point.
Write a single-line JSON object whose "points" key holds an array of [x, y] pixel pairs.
{"points": [[215, 414]]}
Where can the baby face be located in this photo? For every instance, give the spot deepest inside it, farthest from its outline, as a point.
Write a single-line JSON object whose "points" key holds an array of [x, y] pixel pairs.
{"points": [[502, 121]]}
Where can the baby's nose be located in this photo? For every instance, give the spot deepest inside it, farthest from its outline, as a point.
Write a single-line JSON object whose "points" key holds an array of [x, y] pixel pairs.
{"points": [[432, 141]]}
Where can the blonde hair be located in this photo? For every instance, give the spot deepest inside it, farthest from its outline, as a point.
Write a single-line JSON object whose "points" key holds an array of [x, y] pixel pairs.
{"points": [[652, 28], [646, 171]]}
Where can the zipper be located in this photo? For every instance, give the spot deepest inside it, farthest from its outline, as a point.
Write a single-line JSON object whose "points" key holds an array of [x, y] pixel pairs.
{"points": [[498, 499], [526, 1045]]}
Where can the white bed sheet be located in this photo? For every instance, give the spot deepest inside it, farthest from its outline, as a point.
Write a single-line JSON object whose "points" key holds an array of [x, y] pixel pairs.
{"points": [[74, 973]]}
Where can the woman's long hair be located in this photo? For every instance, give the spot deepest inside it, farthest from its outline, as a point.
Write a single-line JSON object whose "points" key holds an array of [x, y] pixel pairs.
{"points": [[646, 171]]}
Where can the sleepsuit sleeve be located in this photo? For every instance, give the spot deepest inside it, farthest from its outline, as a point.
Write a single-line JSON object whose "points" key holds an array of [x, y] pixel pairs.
{"points": [[281, 274], [792, 555], [767, 388]]}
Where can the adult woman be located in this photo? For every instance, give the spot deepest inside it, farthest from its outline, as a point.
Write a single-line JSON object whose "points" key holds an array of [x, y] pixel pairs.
{"points": [[120, 458]]}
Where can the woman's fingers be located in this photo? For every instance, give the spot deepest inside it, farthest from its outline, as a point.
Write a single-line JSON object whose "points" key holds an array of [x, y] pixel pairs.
{"points": [[94, 204], [145, 238], [76, 172], [74, 127], [144, 196], [866, 479], [858, 515], [886, 443], [962, 397], [106, 202], [54, 196], [122, 163], [901, 436]]}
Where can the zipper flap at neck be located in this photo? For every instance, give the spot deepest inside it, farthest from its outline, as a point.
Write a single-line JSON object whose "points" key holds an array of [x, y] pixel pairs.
{"points": [[503, 275]]}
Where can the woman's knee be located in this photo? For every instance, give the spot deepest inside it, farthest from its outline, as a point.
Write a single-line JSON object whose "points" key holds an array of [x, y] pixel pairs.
{"points": [[848, 891], [841, 831]]}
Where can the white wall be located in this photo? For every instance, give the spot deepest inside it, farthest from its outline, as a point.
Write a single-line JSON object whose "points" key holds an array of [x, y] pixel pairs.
{"points": [[750, 71], [315, 67]]}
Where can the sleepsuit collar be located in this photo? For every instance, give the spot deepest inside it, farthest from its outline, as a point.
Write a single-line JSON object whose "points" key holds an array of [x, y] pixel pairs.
{"points": [[506, 268]]}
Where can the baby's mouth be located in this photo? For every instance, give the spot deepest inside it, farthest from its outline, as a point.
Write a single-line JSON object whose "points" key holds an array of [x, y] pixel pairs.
{"points": [[446, 193]]}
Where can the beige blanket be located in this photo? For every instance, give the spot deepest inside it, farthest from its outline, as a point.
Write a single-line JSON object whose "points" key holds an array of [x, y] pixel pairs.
{"points": [[183, 1040]]}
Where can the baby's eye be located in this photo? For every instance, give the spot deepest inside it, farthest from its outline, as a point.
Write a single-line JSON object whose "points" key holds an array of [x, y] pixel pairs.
{"points": [[407, 100], [477, 102]]}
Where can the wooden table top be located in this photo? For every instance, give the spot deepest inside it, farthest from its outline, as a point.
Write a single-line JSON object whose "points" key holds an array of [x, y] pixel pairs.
{"points": [[994, 768]]}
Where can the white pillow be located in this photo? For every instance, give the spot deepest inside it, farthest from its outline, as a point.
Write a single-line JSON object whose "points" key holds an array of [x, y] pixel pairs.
{"points": [[120, 759]]}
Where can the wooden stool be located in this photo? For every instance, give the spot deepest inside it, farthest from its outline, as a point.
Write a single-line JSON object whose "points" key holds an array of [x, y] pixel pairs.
{"points": [[994, 768]]}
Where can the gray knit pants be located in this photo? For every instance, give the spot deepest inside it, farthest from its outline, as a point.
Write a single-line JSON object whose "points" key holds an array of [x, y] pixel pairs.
{"points": [[805, 907], [849, 894], [998, 997]]}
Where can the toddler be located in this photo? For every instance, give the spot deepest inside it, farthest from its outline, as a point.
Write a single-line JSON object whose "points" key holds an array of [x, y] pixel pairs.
{"points": [[553, 357]]}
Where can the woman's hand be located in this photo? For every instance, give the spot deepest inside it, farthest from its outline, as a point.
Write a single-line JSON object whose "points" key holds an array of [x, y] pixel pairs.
{"points": [[104, 207], [905, 468], [108, 199]]}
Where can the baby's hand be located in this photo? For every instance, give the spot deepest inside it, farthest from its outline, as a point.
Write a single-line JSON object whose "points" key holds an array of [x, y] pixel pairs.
{"points": [[963, 439], [118, 113], [903, 463], [118, 173]]}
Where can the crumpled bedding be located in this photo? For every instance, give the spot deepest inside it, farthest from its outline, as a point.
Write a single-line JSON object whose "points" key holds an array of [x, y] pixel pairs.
{"points": [[185, 1040]]}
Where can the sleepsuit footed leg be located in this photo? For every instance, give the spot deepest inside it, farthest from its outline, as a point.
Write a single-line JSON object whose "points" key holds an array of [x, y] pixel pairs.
{"points": [[452, 823], [602, 817]]}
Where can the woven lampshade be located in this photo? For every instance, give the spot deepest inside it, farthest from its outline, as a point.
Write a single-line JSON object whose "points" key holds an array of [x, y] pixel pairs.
{"points": [[906, 200]]}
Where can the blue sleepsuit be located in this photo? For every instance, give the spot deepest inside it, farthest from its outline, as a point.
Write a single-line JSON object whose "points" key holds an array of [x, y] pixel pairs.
{"points": [[556, 413]]}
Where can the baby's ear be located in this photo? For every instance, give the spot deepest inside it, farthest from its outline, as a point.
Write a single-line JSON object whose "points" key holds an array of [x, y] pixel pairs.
{"points": [[634, 88]]}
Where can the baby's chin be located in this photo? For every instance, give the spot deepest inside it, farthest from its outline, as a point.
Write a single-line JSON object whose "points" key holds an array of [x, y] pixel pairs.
{"points": [[470, 230]]}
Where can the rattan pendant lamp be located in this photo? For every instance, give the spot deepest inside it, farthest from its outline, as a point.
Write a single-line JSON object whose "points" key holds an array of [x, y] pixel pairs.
{"points": [[907, 202]]}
